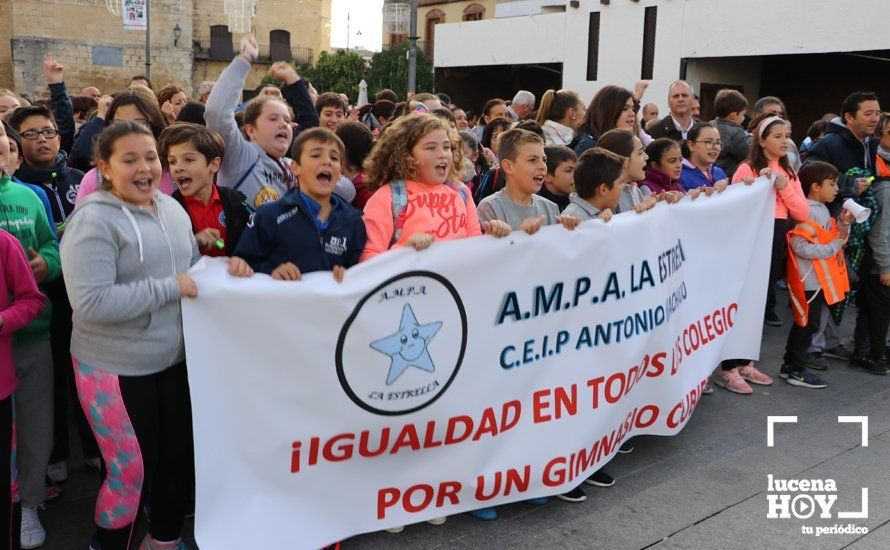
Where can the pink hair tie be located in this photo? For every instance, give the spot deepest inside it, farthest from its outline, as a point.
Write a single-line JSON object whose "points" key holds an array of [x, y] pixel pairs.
{"points": [[766, 122]]}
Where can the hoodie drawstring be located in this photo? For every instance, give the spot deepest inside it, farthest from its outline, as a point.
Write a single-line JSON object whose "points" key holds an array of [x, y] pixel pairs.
{"points": [[136, 229]]}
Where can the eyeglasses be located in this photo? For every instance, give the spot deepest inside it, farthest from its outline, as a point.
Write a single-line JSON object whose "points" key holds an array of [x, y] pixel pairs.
{"points": [[49, 133], [711, 144]]}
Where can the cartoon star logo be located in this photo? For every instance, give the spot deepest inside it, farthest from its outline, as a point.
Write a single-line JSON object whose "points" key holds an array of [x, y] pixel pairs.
{"points": [[408, 346]]}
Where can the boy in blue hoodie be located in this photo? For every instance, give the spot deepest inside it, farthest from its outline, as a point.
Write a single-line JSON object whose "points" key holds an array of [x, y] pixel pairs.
{"points": [[310, 228]]}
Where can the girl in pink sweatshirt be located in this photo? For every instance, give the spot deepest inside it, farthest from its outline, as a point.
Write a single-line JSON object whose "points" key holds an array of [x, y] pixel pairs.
{"points": [[418, 197], [20, 303], [768, 158]]}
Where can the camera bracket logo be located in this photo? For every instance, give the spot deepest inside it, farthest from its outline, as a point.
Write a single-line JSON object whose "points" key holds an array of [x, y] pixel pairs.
{"points": [[403, 344], [804, 499]]}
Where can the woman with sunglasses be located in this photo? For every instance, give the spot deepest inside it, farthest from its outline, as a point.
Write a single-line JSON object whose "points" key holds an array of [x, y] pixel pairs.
{"points": [[700, 152], [612, 108], [137, 103]]}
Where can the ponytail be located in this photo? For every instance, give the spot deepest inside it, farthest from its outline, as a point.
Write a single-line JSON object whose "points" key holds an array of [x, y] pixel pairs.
{"points": [[545, 107], [555, 104]]}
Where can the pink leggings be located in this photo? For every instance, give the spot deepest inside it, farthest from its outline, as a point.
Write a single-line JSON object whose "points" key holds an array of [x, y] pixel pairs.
{"points": [[144, 431]]}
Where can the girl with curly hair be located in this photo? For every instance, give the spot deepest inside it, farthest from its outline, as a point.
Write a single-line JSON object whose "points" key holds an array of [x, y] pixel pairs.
{"points": [[418, 197]]}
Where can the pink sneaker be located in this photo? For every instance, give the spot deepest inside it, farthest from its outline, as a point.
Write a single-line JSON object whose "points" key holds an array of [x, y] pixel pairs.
{"points": [[732, 381], [754, 376]]}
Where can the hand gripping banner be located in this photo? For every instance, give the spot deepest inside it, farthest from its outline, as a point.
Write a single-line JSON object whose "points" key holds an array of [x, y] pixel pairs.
{"points": [[475, 373]]}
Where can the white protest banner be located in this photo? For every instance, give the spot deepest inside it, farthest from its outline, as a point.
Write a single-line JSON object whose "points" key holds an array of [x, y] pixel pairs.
{"points": [[475, 373]]}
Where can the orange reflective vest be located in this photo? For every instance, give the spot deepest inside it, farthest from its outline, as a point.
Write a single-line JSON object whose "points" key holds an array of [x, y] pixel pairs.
{"points": [[831, 272], [882, 169]]}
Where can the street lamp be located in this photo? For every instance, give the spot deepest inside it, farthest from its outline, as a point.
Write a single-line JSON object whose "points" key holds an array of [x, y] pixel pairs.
{"points": [[177, 34]]}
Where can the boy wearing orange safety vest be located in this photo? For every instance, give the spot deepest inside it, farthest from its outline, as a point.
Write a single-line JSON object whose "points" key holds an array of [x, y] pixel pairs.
{"points": [[816, 271]]}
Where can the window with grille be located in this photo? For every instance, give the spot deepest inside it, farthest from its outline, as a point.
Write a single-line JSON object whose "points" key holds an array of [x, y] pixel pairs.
{"points": [[649, 24], [593, 45], [474, 12], [221, 48]]}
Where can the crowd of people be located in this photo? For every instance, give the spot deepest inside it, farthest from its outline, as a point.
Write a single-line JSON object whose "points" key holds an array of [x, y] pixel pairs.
{"points": [[108, 200]]}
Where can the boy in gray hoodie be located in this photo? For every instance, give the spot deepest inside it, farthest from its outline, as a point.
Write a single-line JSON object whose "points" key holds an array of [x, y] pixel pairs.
{"points": [[816, 274], [256, 160]]}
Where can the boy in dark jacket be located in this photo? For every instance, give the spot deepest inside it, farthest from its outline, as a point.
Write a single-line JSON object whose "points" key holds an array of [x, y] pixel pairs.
{"points": [[192, 155], [44, 164], [310, 228]]}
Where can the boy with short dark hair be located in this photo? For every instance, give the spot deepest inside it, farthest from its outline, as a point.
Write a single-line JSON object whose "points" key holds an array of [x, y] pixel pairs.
{"points": [[518, 204], [816, 271], [310, 228], [598, 185], [192, 155], [44, 163], [559, 182], [331, 110]]}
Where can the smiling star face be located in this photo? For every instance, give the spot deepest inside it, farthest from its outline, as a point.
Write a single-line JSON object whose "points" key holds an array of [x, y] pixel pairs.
{"points": [[408, 346]]}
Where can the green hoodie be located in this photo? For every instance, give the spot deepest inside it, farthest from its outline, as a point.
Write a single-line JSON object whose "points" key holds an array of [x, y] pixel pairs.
{"points": [[22, 214]]}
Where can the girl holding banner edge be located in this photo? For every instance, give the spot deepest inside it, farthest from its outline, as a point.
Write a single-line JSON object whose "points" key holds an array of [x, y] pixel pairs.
{"points": [[126, 251], [767, 158]]}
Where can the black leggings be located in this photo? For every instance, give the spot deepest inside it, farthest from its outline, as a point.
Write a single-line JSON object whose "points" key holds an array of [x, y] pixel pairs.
{"points": [[63, 375], [777, 261], [800, 338]]}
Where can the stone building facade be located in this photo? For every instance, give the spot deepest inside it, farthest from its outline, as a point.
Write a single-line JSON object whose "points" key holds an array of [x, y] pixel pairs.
{"points": [[96, 50]]}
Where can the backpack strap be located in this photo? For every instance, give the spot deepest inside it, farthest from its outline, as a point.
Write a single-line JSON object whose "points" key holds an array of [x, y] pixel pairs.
{"points": [[460, 188], [245, 175], [399, 209]]}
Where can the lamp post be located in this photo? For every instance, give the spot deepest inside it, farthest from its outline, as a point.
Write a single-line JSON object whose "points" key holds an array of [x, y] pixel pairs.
{"points": [[177, 34], [148, 40], [412, 49]]}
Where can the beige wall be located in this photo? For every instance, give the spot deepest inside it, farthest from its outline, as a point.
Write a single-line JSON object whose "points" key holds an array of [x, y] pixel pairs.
{"points": [[72, 32], [454, 12], [75, 29], [308, 21]]}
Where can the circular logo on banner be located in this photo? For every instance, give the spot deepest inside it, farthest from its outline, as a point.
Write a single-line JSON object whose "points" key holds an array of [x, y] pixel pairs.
{"points": [[403, 344]]}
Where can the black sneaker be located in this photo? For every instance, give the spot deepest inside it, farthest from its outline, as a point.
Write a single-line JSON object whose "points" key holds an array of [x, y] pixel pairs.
{"points": [[805, 379], [785, 372], [772, 319], [600, 479], [626, 448], [815, 361], [870, 365], [838, 352], [575, 495]]}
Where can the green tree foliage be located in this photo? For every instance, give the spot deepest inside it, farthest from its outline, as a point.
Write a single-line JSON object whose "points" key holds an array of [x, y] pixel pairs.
{"points": [[389, 69], [338, 72], [342, 72]]}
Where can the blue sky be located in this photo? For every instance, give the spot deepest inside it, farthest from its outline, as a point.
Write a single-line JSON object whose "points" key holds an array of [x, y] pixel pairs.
{"points": [[367, 18]]}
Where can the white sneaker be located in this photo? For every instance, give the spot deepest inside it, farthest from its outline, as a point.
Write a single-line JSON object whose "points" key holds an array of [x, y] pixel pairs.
{"points": [[33, 534], [57, 472], [437, 521], [396, 529]]}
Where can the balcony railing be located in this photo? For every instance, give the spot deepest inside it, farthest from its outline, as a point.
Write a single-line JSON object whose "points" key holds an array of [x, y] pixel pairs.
{"points": [[268, 53]]}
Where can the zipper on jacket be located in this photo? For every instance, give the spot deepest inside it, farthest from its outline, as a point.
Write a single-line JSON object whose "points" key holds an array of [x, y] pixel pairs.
{"points": [[173, 269]]}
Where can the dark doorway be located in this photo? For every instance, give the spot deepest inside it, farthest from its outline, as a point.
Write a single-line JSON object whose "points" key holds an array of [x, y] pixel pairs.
{"points": [[706, 95], [471, 87], [813, 85]]}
